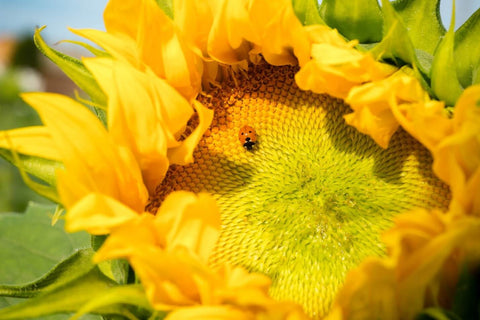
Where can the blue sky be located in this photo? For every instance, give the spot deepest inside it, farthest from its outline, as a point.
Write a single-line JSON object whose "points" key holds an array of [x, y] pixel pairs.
{"points": [[21, 16]]}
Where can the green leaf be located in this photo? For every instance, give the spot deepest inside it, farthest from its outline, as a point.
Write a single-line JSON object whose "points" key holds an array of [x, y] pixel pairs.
{"points": [[97, 52], [75, 285], [467, 51], [67, 297], [167, 7], [445, 83], [30, 246], [307, 11], [75, 266], [355, 19], [73, 68], [422, 21]]}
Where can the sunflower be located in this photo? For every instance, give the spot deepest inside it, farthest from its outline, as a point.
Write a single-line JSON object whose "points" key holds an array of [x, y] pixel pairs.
{"points": [[356, 197]]}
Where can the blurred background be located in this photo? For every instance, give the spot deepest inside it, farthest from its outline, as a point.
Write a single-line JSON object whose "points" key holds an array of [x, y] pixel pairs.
{"points": [[23, 68]]}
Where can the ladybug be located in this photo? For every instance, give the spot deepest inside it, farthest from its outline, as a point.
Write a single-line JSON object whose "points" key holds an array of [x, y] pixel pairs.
{"points": [[247, 137]]}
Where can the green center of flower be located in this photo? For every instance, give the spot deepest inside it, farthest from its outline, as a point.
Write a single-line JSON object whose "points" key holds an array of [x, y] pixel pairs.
{"points": [[312, 198]]}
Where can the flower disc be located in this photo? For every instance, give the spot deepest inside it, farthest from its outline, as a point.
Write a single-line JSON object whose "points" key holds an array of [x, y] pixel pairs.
{"points": [[311, 199]]}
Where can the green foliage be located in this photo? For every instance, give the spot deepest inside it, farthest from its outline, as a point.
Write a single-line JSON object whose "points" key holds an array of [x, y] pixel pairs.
{"points": [[26, 54], [445, 83], [355, 19], [54, 270], [467, 51], [307, 12], [423, 22], [30, 245]]}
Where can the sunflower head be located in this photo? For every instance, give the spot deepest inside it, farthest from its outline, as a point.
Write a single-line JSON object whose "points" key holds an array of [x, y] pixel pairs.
{"points": [[249, 153]]}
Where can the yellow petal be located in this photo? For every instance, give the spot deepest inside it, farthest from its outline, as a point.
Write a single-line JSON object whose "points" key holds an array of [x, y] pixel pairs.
{"points": [[428, 122], [33, 141], [137, 233], [379, 123], [427, 252], [168, 277], [146, 115], [369, 291], [208, 312], [183, 154], [93, 162], [189, 221], [97, 214], [282, 38], [150, 39], [336, 66], [457, 156], [122, 16], [244, 28], [228, 40], [133, 118], [194, 19], [163, 49], [372, 105], [120, 46]]}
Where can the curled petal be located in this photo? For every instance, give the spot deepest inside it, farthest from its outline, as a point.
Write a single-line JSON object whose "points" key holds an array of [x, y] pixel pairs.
{"points": [[183, 154], [428, 122], [336, 66], [457, 156], [372, 105], [189, 221]]}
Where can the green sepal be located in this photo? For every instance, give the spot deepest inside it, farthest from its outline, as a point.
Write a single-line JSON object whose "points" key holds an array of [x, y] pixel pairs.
{"points": [[354, 19], [118, 269], [467, 51], [167, 7], [95, 51], [422, 20], [395, 44], [444, 79], [73, 68], [307, 11], [133, 295], [40, 168], [44, 169]]}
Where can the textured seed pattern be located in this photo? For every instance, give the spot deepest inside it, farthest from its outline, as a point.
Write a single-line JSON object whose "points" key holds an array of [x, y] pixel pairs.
{"points": [[312, 197]]}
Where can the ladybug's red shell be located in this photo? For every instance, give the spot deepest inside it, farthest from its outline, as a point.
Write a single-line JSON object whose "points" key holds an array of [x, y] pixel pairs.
{"points": [[247, 136]]}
